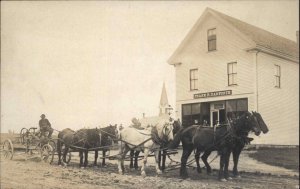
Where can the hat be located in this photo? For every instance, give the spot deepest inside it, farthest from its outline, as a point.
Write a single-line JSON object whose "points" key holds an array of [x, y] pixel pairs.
{"points": [[43, 115]]}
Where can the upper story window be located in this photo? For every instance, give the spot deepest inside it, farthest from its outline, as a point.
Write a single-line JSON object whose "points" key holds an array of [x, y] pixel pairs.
{"points": [[232, 73], [193, 79], [212, 39], [277, 76]]}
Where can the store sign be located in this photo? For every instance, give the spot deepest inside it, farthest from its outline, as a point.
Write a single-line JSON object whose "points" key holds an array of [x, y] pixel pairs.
{"points": [[213, 94]]}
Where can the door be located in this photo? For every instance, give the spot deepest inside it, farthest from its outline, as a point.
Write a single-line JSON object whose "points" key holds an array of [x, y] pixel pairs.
{"points": [[214, 117]]}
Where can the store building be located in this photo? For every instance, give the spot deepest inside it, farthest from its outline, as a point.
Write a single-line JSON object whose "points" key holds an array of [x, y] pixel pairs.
{"points": [[225, 67]]}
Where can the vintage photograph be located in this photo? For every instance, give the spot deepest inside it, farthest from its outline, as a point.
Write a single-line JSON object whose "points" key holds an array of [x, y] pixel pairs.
{"points": [[149, 94]]}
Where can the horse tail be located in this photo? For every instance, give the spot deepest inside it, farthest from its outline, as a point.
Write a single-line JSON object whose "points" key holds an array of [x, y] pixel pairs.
{"points": [[177, 138]]}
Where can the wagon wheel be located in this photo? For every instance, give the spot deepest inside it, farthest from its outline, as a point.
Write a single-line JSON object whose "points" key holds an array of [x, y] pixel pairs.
{"points": [[52, 144], [23, 133], [47, 153], [8, 149]]}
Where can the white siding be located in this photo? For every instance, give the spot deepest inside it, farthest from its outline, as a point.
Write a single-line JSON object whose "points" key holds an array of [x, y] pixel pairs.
{"points": [[278, 107], [212, 65]]}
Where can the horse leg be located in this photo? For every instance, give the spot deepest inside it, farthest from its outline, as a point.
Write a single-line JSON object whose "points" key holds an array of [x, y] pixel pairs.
{"points": [[227, 157], [159, 159], [236, 154], [131, 158], [103, 160], [146, 153], [157, 154], [222, 162], [163, 165], [86, 158], [59, 151], [122, 153], [81, 158], [197, 157], [184, 158], [96, 157], [136, 157], [204, 159], [65, 156]]}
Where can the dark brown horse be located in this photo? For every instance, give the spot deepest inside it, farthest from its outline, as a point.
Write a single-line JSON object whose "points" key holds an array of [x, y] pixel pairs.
{"points": [[222, 139], [65, 139], [134, 155], [238, 145], [85, 140]]}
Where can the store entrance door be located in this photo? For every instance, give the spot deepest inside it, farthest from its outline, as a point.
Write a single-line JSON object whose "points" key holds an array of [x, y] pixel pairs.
{"points": [[217, 113], [214, 117]]}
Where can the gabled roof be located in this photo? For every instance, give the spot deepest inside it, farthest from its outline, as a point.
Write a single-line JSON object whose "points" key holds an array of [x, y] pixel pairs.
{"points": [[261, 38]]}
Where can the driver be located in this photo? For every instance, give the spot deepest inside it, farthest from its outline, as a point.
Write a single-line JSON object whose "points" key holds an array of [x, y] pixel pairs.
{"points": [[136, 123], [45, 126]]}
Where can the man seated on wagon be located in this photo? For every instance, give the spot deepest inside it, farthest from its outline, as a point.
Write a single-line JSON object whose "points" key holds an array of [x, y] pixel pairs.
{"points": [[136, 123], [45, 126]]}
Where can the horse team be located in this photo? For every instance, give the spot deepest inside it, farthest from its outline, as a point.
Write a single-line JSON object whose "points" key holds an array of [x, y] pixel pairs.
{"points": [[225, 139]]}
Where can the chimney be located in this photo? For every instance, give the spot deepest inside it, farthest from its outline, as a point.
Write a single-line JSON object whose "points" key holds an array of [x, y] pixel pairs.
{"points": [[297, 34]]}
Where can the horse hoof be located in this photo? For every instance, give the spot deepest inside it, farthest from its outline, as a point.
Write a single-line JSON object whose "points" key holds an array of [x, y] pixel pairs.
{"points": [[223, 180], [229, 178], [159, 172]]}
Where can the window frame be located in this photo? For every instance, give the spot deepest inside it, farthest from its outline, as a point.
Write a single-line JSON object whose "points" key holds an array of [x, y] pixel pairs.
{"points": [[211, 38], [231, 74], [194, 79], [277, 75]]}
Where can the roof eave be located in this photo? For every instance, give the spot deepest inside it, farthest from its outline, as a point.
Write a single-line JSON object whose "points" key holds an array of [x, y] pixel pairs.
{"points": [[274, 53]]}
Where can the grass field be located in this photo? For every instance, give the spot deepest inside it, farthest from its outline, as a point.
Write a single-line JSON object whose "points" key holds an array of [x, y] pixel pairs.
{"points": [[282, 157]]}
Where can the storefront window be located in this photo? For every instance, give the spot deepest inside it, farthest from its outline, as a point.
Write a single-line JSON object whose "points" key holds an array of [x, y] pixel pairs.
{"points": [[236, 108]]}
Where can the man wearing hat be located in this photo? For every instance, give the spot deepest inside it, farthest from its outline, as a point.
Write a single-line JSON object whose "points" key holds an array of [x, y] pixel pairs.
{"points": [[45, 126], [136, 123]]}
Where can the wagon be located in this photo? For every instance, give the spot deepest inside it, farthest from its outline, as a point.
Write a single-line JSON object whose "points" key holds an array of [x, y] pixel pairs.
{"points": [[30, 142]]}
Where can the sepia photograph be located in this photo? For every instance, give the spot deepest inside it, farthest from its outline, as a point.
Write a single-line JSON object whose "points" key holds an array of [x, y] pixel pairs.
{"points": [[149, 94]]}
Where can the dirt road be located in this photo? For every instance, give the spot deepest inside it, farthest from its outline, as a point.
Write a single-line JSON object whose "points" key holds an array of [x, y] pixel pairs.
{"points": [[33, 173]]}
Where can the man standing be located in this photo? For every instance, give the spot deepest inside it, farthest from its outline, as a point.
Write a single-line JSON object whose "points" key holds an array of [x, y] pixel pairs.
{"points": [[45, 126]]}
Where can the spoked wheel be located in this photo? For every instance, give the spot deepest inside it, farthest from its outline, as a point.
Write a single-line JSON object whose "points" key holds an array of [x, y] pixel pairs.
{"points": [[47, 153], [23, 135], [52, 144], [8, 149]]}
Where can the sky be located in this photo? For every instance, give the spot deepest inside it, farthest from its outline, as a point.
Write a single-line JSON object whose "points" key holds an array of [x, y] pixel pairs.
{"points": [[94, 63]]}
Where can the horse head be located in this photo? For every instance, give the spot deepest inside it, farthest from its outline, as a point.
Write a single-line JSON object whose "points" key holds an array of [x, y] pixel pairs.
{"points": [[165, 130], [112, 130], [262, 124], [176, 126], [168, 130], [247, 122]]}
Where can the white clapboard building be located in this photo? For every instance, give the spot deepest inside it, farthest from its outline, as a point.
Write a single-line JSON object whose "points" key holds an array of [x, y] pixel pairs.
{"points": [[225, 66]]}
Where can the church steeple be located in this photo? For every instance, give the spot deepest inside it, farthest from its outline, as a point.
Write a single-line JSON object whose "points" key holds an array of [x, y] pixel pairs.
{"points": [[164, 103]]}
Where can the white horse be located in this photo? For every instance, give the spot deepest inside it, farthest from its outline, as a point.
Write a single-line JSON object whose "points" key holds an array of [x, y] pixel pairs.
{"points": [[148, 140]]}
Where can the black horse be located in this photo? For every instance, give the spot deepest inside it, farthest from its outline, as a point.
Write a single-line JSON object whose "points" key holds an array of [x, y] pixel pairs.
{"points": [[222, 138], [134, 155], [85, 140], [108, 136], [238, 145]]}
